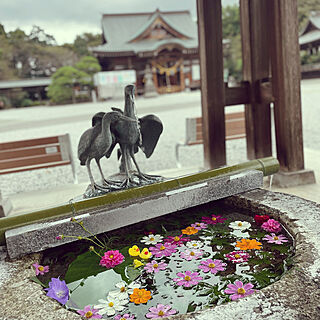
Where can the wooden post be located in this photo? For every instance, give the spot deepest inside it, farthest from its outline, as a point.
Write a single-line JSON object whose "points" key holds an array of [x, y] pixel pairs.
{"points": [[255, 57], [212, 85], [286, 74]]}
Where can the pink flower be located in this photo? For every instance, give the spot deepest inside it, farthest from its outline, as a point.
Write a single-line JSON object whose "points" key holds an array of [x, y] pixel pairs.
{"points": [[239, 290], [199, 225], [111, 259], [212, 265], [191, 254], [126, 316], [177, 240], [163, 249], [89, 313], [238, 256], [160, 311], [187, 279], [273, 238], [155, 266], [213, 219], [40, 269], [271, 226]]}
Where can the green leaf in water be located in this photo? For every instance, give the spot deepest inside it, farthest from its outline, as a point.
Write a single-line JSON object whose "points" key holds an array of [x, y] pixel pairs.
{"points": [[36, 280]]}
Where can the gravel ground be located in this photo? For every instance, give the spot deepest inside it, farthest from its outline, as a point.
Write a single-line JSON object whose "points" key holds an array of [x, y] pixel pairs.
{"points": [[36, 122]]}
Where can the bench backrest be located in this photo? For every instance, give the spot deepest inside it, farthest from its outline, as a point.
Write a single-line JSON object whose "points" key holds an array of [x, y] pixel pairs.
{"points": [[33, 154], [235, 128]]}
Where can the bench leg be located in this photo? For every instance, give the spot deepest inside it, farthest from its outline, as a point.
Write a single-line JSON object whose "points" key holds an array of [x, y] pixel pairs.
{"points": [[178, 145]]}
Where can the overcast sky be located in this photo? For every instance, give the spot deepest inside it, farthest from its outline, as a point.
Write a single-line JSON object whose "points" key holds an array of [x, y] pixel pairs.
{"points": [[64, 19]]}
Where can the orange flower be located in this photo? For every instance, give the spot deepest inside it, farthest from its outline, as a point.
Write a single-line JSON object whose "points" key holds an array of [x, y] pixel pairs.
{"points": [[247, 244], [189, 230], [140, 296]]}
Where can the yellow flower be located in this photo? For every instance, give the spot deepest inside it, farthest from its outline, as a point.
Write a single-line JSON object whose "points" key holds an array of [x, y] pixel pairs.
{"points": [[134, 251], [145, 254], [247, 244], [137, 263]]}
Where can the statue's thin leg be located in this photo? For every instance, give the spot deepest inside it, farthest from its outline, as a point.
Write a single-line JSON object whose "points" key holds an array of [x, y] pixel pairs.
{"points": [[94, 186], [108, 183], [128, 181]]}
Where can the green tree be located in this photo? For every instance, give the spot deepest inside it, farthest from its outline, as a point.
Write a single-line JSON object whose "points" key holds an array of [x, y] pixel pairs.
{"points": [[83, 42], [304, 9], [230, 21], [89, 64], [63, 83]]}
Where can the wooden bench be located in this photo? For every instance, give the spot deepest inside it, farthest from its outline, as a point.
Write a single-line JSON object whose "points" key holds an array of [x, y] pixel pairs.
{"points": [[24, 155], [235, 129]]}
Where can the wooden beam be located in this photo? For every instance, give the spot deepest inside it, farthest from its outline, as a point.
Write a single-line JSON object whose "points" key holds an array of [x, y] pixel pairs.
{"points": [[212, 85], [255, 57], [285, 61]]}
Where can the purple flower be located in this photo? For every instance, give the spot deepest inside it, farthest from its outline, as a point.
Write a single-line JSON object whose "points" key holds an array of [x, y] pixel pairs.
{"points": [[213, 219], [199, 225], [155, 266], [126, 316], [212, 265], [163, 249], [58, 290], [191, 254], [40, 269], [187, 279], [239, 290], [273, 238], [238, 256], [271, 226], [160, 311], [177, 240], [89, 313]]}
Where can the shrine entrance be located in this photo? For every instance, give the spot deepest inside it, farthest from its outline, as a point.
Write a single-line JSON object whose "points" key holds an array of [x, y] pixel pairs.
{"points": [[167, 68]]}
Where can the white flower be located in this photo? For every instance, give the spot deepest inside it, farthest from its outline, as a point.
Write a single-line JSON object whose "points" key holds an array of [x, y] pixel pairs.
{"points": [[110, 306], [194, 244], [152, 239], [123, 290], [240, 225]]}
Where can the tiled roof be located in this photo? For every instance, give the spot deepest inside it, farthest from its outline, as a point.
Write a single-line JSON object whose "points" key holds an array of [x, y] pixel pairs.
{"points": [[25, 83], [120, 29]]}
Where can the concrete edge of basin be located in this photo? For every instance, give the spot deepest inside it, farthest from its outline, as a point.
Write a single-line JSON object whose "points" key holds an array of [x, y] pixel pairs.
{"points": [[295, 296]]}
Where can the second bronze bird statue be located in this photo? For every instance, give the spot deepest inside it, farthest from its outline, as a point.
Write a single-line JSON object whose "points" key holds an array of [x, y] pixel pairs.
{"points": [[95, 142]]}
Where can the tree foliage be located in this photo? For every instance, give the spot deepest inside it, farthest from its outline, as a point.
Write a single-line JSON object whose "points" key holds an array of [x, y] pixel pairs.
{"points": [[83, 42], [89, 64], [304, 9]]}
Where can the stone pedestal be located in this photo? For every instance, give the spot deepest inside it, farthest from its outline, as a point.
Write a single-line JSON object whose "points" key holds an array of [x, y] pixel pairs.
{"points": [[291, 179], [150, 90]]}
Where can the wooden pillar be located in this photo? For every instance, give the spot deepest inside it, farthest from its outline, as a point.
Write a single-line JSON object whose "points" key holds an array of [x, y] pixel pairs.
{"points": [[256, 67], [212, 85]]}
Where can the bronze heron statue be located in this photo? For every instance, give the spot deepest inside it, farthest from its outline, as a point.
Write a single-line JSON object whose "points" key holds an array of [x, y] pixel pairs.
{"points": [[95, 142]]}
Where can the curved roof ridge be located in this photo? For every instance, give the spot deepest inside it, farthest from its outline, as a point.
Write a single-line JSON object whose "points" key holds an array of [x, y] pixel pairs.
{"points": [[156, 14]]}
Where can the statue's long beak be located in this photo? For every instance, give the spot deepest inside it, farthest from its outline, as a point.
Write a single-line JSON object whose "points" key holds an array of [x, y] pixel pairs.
{"points": [[128, 119]]}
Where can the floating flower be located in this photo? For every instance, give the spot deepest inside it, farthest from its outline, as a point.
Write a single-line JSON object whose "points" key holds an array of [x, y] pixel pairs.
{"points": [[160, 311], [213, 219], [137, 263], [58, 290], [155, 266], [111, 305], [187, 279], [151, 231], [126, 316], [190, 254], [237, 256], [152, 239], [134, 251], [194, 244], [165, 249], [271, 226], [277, 239], [247, 244], [199, 225], [212, 265], [145, 254], [40, 269], [239, 290], [89, 313], [261, 219], [240, 225], [111, 259], [189, 230], [123, 290], [140, 296], [177, 240]]}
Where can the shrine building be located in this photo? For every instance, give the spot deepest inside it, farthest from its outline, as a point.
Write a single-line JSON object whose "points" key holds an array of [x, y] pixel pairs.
{"points": [[162, 44]]}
